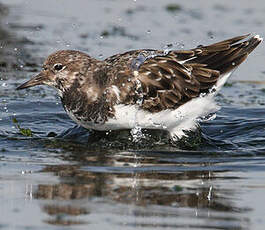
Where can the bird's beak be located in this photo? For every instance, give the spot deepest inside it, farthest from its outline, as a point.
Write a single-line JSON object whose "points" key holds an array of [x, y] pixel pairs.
{"points": [[37, 80]]}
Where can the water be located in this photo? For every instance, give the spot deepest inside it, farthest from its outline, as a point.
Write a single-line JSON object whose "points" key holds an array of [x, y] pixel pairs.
{"points": [[64, 177]]}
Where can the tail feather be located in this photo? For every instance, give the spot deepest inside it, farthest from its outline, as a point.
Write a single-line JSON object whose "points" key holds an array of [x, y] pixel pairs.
{"points": [[251, 44], [226, 55]]}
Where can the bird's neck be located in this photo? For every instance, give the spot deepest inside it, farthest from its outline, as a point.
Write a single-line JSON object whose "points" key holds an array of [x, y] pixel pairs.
{"points": [[90, 97], [87, 104]]}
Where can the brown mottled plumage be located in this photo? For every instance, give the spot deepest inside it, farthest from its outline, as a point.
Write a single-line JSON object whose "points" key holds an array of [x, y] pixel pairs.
{"points": [[167, 83], [90, 89]]}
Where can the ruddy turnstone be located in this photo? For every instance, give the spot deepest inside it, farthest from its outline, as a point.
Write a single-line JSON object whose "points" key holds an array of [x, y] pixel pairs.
{"points": [[149, 89]]}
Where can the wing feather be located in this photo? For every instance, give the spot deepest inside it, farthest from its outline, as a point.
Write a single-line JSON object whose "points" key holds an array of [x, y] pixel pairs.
{"points": [[168, 81]]}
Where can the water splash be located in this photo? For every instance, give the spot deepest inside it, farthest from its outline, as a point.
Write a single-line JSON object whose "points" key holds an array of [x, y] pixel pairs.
{"points": [[136, 132], [213, 89], [208, 117], [138, 61], [179, 45], [143, 56], [139, 92], [209, 196], [172, 46], [167, 49]]}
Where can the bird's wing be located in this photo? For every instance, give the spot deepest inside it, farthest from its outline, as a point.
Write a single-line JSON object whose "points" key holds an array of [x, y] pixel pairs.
{"points": [[160, 81]]}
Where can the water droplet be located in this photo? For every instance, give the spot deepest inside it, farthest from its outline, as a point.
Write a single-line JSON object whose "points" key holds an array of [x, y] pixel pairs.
{"points": [[209, 196], [213, 89], [100, 55], [167, 48], [137, 134], [208, 117], [139, 92], [179, 45], [203, 94], [148, 31], [211, 35], [25, 171], [233, 63], [166, 51]]}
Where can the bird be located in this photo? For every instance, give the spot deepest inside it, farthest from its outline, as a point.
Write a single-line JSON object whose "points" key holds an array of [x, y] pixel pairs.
{"points": [[146, 88]]}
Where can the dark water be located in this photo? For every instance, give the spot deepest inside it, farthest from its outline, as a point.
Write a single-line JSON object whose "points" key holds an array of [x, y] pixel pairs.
{"points": [[64, 177]]}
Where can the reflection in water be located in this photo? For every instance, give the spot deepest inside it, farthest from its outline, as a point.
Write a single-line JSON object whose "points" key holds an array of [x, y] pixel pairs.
{"points": [[139, 182], [58, 213]]}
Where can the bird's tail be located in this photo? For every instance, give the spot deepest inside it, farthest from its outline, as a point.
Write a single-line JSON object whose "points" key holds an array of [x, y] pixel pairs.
{"points": [[234, 52], [225, 56]]}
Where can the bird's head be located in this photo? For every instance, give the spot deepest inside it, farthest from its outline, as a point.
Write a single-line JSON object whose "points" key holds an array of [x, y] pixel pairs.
{"points": [[61, 70]]}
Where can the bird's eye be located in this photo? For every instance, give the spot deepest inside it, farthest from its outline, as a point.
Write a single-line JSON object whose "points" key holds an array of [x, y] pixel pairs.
{"points": [[57, 66]]}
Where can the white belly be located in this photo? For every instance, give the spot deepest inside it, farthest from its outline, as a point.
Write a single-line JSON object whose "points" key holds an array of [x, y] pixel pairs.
{"points": [[174, 121]]}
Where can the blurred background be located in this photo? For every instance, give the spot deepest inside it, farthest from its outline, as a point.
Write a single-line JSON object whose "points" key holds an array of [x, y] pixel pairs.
{"points": [[52, 176]]}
